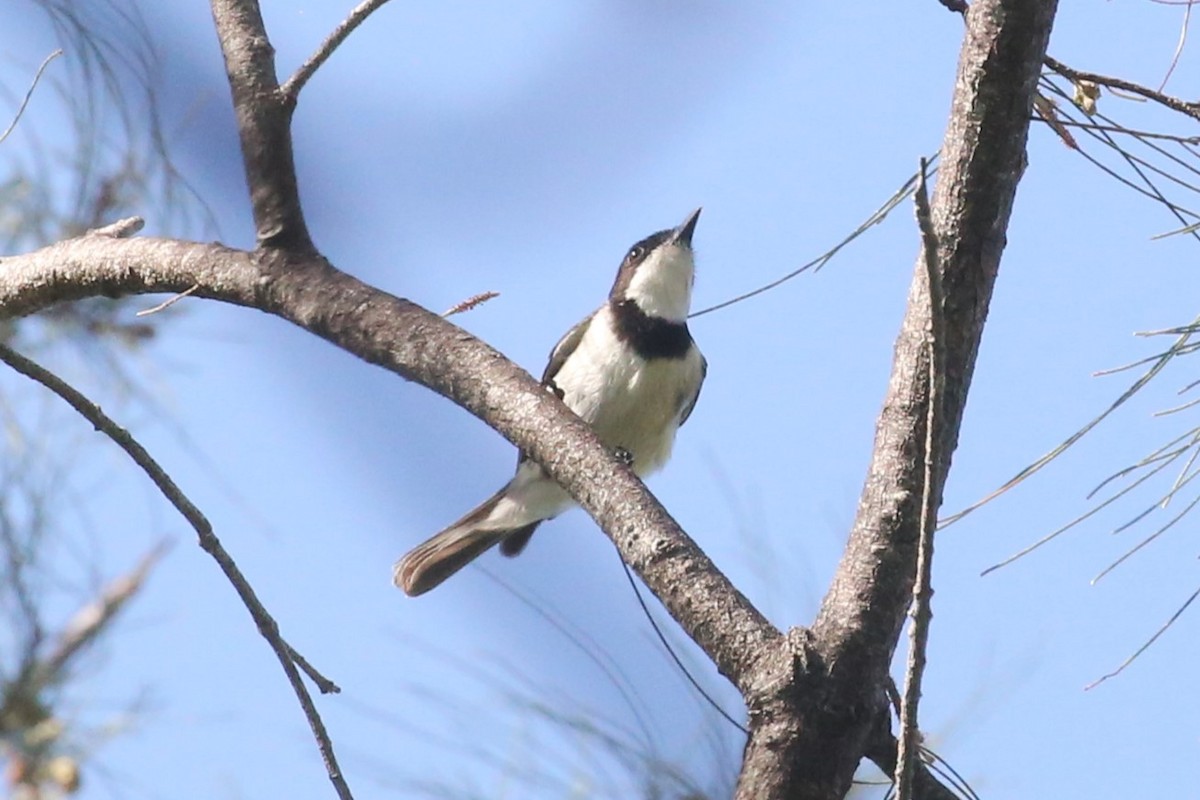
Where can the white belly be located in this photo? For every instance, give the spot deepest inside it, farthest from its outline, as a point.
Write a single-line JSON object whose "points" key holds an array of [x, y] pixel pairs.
{"points": [[631, 402]]}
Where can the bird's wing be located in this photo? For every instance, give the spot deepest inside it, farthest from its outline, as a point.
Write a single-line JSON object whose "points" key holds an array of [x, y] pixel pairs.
{"points": [[687, 411], [558, 356]]}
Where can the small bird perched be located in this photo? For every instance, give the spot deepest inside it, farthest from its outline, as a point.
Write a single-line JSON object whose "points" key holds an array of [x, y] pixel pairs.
{"points": [[630, 369]]}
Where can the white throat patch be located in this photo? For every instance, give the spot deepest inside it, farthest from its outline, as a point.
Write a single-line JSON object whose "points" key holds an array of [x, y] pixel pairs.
{"points": [[662, 284]]}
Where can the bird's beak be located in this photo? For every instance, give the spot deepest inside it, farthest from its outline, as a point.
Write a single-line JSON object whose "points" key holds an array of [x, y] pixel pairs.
{"points": [[683, 234]]}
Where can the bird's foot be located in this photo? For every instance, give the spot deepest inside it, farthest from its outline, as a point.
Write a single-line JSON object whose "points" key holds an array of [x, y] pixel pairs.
{"points": [[624, 456]]}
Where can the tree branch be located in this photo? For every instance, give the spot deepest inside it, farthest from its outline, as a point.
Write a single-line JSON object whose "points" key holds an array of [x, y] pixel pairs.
{"points": [[983, 157], [292, 86], [856, 631], [421, 346], [264, 126], [1075, 76], [906, 755], [208, 541], [37, 76]]}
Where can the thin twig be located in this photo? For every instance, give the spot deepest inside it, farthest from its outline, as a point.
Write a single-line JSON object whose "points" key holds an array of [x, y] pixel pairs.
{"points": [[1178, 613], [208, 541], [922, 614], [470, 303], [37, 76], [662, 639], [121, 229], [943, 769], [1168, 137], [170, 301], [1173, 103], [878, 216], [589, 647], [292, 86], [89, 622], [1159, 364], [324, 685], [1133, 550], [1183, 32]]}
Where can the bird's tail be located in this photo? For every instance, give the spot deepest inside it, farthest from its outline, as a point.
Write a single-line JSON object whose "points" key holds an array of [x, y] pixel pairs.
{"points": [[445, 553]]}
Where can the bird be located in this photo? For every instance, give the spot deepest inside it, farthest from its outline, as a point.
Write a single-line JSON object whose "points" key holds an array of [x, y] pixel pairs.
{"points": [[630, 369]]}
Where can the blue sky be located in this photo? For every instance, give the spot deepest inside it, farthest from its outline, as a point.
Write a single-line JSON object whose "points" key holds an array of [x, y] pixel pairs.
{"points": [[449, 149]]}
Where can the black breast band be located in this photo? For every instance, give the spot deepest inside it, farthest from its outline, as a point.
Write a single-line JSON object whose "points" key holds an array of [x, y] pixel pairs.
{"points": [[650, 337]]}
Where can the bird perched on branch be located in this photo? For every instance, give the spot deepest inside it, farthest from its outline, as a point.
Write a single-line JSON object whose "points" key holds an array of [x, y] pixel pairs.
{"points": [[630, 369]]}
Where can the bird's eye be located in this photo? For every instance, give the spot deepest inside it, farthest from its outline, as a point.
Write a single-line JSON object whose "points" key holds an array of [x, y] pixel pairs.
{"points": [[635, 254]]}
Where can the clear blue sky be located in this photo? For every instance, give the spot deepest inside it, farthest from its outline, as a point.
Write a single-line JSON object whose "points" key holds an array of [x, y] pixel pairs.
{"points": [[453, 148]]}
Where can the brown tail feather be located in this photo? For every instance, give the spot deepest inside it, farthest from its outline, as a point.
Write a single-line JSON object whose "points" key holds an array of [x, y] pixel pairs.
{"points": [[435, 560], [428, 564]]}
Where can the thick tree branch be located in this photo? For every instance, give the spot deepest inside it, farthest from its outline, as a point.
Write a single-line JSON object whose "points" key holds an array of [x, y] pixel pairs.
{"points": [[983, 157], [421, 346], [264, 117], [859, 623]]}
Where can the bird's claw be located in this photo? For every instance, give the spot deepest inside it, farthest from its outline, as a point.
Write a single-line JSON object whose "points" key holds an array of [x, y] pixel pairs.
{"points": [[624, 456]]}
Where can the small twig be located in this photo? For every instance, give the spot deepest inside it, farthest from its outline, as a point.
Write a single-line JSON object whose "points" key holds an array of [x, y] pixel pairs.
{"points": [[292, 86], [121, 229], [323, 684], [1178, 613], [1169, 137], [1173, 103], [881, 749], [586, 644], [1160, 363], [86, 625], [208, 541], [1183, 32], [878, 216], [37, 76], [471, 302], [170, 301], [909, 739], [662, 639]]}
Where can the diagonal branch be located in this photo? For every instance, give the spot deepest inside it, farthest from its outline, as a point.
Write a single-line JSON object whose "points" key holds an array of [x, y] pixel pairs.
{"points": [[422, 346], [208, 540], [37, 76], [292, 86], [983, 158]]}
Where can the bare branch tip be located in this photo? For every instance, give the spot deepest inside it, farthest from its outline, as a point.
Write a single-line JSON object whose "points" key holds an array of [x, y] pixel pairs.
{"points": [[121, 229], [170, 301], [470, 303], [37, 76], [290, 89]]}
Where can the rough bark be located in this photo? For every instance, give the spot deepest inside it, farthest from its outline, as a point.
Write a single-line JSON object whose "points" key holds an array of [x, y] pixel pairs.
{"points": [[264, 115], [423, 347]]}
